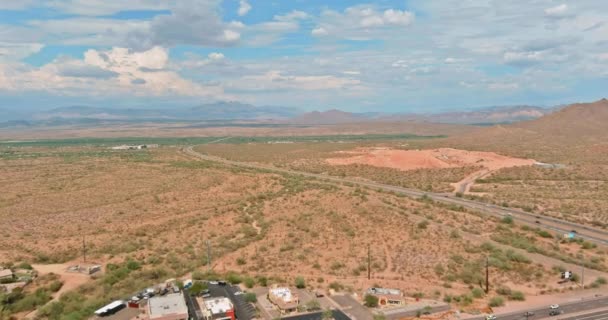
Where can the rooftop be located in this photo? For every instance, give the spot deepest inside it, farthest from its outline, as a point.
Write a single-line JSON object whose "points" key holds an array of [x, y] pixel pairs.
{"points": [[164, 305], [218, 305], [384, 291], [282, 293]]}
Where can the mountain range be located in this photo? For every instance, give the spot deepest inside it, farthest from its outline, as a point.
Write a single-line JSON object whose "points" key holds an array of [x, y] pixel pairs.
{"points": [[236, 111]]}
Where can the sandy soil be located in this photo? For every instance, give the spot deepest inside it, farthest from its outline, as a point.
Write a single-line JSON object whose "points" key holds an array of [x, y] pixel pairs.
{"points": [[428, 159]]}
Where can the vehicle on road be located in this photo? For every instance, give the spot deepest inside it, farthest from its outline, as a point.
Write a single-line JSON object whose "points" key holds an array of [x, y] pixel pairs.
{"points": [[213, 282], [238, 293], [554, 310], [491, 317], [221, 283], [528, 314]]}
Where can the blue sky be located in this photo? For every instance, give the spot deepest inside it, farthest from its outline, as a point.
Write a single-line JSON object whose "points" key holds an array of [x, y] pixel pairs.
{"points": [[392, 56]]}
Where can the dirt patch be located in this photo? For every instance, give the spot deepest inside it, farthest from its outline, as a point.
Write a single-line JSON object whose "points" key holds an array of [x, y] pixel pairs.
{"points": [[428, 159]]}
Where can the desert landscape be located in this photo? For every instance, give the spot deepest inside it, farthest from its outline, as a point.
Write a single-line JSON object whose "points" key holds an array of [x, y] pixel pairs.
{"points": [[160, 210]]}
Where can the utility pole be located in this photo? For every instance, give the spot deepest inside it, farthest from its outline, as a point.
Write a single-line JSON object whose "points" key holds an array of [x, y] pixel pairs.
{"points": [[208, 256], [369, 262], [487, 274], [84, 249], [583, 276]]}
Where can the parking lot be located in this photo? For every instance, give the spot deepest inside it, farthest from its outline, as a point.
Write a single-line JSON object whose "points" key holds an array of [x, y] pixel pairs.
{"points": [[243, 309], [352, 307]]}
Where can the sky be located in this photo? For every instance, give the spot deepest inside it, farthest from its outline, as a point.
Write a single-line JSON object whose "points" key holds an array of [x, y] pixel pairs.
{"points": [[375, 56]]}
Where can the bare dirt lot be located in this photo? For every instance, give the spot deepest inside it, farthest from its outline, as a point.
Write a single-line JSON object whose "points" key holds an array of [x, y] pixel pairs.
{"points": [[428, 159]]}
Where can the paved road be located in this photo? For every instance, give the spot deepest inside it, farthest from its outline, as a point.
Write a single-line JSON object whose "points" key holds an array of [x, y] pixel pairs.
{"points": [[548, 223], [597, 315], [568, 308], [337, 314]]}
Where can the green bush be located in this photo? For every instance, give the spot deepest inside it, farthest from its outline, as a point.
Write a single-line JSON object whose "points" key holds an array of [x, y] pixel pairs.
{"points": [[133, 265], [250, 297], [370, 301], [241, 261], [496, 302], [313, 305], [337, 286], [544, 234], [249, 282], [198, 287], [55, 286], [423, 224], [517, 296], [234, 278], [477, 293], [263, 281], [504, 291], [300, 283], [507, 220]]}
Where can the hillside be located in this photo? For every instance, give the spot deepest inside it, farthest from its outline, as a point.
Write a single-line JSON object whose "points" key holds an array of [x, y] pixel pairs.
{"points": [[577, 129]]}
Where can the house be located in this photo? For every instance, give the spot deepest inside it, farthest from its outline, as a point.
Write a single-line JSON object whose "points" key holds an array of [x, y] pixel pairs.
{"points": [[218, 309], [387, 297], [286, 300], [168, 307], [6, 275]]}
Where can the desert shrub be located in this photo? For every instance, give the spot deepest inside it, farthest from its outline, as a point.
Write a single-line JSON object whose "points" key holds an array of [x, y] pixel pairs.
{"points": [[133, 265], [55, 286], [370, 301], [234, 278], [507, 220], [337, 286], [439, 269], [249, 282], [423, 224], [250, 297], [503, 290], [263, 281], [447, 298], [313, 305], [544, 234], [517, 296], [241, 261], [496, 302], [300, 283], [320, 280], [477, 293], [601, 280], [24, 265], [454, 234]]}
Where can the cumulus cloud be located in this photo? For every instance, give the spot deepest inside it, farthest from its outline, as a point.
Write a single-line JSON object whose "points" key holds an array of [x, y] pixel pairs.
{"points": [[17, 51], [190, 23], [361, 21], [244, 8]]}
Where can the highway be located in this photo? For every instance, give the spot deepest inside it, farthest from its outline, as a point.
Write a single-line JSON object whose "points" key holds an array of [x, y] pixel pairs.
{"points": [[568, 308], [548, 223]]}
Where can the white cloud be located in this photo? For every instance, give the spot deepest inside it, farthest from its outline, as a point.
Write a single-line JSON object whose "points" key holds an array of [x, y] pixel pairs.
{"points": [[244, 8], [398, 17], [559, 11], [216, 56], [274, 79], [103, 7], [320, 31], [17, 51]]}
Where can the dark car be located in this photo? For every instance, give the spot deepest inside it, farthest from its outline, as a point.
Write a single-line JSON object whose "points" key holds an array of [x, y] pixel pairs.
{"points": [[528, 314], [221, 283]]}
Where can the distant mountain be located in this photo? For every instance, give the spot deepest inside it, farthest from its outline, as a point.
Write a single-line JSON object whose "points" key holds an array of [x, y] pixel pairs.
{"points": [[577, 126], [213, 111], [329, 117]]}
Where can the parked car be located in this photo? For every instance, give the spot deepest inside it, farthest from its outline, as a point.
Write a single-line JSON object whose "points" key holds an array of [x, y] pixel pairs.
{"points": [[491, 317], [554, 310], [221, 283], [238, 293], [213, 282], [319, 294]]}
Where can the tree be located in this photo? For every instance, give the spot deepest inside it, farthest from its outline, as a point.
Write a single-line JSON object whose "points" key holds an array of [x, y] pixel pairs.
{"points": [[371, 301], [300, 283], [249, 282], [198, 287]]}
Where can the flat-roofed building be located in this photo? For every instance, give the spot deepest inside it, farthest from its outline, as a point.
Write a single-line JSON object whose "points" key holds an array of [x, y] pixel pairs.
{"points": [[218, 309], [169, 307], [284, 298], [387, 297]]}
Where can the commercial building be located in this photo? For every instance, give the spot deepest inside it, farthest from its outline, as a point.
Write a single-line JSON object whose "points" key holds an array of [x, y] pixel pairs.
{"points": [[387, 297], [285, 299], [218, 309], [168, 307]]}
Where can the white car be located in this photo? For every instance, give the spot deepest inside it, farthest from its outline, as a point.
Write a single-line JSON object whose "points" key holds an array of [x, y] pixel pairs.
{"points": [[491, 317], [554, 306], [238, 293], [213, 282]]}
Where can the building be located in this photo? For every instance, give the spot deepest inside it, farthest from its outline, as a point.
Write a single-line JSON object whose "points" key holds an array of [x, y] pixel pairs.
{"points": [[284, 298], [218, 309], [6, 275], [169, 307], [387, 297]]}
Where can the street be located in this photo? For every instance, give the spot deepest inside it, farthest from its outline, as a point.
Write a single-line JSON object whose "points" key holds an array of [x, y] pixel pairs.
{"points": [[568, 308]]}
